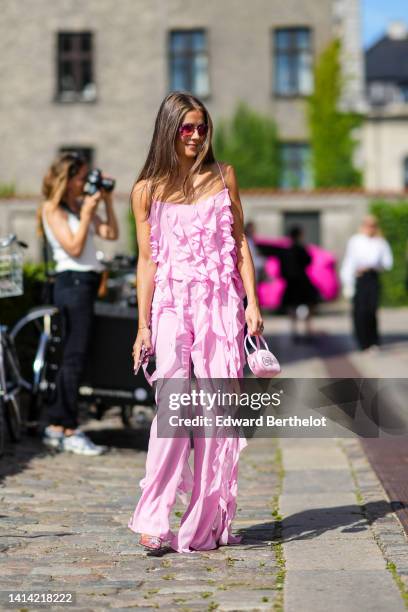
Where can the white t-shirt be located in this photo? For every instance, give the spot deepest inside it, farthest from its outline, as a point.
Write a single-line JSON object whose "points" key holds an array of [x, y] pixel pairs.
{"points": [[364, 251], [86, 262]]}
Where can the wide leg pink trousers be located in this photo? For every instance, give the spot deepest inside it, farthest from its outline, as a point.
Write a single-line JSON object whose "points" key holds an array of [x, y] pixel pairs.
{"points": [[207, 520]]}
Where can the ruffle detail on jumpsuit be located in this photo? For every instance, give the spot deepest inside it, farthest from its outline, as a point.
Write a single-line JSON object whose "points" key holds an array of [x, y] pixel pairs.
{"points": [[202, 248]]}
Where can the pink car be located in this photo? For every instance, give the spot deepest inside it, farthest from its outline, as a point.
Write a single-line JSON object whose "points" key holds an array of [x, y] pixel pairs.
{"points": [[321, 271]]}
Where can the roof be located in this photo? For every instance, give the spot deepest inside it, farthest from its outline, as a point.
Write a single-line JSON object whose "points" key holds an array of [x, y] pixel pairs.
{"points": [[387, 60]]}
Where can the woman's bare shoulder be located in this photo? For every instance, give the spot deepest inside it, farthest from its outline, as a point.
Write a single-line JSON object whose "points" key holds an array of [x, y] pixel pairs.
{"points": [[53, 212], [139, 195], [228, 173], [140, 190]]}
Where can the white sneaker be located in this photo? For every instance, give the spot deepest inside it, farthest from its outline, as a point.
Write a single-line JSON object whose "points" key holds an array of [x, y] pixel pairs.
{"points": [[53, 438], [374, 349], [79, 444]]}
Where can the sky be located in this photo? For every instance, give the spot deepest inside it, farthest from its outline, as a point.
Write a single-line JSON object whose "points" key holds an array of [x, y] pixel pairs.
{"points": [[377, 14]]}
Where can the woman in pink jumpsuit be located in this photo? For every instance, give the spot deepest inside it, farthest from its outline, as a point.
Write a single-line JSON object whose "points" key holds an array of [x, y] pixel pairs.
{"points": [[194, 269]]}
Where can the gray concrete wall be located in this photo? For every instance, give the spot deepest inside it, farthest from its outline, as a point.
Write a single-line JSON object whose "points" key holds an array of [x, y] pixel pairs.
{"points": [[131, 74], [385, 146]]}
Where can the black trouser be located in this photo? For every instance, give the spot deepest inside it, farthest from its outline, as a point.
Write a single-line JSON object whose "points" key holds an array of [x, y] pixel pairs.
{"points": [[74, 295], [365, 304]]}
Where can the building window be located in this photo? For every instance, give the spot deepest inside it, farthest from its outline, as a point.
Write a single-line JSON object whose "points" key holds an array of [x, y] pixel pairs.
{"points": [[86, 152], [75, 82], [296, 166], [188, 56], [381, 93], [293, 61], [406, 174]]}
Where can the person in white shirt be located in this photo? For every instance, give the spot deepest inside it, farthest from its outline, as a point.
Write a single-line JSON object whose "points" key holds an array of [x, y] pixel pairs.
{"points": [[367, 254], [70, 221]]}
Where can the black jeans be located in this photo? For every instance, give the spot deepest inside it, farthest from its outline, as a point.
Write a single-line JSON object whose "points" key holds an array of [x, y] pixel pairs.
{"points": [[365, 304], [74, 295]]}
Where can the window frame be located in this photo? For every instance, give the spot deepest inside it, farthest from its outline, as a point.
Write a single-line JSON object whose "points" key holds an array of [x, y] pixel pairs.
{"points": [[76, 56], [273, 37], [87, 151], [171, 55], [299, 144]]}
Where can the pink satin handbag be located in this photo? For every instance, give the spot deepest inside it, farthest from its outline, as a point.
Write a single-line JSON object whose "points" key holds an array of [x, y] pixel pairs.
{"points": [[262, 362]]}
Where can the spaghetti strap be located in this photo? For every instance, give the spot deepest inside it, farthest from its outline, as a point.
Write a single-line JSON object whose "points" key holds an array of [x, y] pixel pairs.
{"points": [[222, 176]]}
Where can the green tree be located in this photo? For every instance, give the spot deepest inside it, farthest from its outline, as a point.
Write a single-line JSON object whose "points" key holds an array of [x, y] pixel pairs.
{"points": [[331, 130], [249, 142]]}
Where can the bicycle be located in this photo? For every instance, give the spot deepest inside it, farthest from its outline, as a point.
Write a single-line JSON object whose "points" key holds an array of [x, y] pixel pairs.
{"points": [[11, 382], [26, 350]]}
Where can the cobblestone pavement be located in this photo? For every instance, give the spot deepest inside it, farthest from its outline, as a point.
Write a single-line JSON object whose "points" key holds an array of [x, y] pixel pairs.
{"points": [[64, 527], [63, 519]]}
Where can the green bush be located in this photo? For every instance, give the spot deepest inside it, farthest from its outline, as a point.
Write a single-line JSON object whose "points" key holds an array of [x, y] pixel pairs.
{"points": [[7, 190], [393, 219], [249, 141], [15, 307]]}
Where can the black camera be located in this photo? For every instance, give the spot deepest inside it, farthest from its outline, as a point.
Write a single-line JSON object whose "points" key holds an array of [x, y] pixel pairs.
{"points": [[95, 182]]}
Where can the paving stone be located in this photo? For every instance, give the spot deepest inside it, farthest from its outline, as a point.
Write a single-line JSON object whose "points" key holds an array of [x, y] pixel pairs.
{"points": [[351, 590], [71, 540]]}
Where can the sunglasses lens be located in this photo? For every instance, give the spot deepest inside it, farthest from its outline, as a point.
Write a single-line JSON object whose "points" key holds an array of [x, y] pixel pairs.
{"points": [[187, 129], [202, 129]]}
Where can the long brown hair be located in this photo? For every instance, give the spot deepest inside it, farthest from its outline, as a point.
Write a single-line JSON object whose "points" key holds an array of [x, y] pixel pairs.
{"points": [[162, 167], [55, 181]]}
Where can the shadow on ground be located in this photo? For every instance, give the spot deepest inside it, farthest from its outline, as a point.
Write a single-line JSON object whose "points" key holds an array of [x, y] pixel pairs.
{"points": [[18, 456], [312, 523]]}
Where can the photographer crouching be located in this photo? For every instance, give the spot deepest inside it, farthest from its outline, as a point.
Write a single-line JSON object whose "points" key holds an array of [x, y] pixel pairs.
{"points": [[70, 221]]}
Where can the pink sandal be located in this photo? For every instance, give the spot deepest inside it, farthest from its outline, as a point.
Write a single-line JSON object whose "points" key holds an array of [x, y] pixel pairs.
{"points": [[150, 542]]}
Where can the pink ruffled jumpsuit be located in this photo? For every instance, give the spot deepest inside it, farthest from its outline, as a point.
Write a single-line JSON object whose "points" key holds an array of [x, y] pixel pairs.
{"points": [[197, 316]]}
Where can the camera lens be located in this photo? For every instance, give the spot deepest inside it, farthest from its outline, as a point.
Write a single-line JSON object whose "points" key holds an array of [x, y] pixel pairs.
{"points": [[108, 184], [93, 182]]}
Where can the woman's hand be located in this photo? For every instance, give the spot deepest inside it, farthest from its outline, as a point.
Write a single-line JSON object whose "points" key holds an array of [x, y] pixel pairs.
{"points": [[254, 320], [143, 338], [90, 204], [107, 197]]}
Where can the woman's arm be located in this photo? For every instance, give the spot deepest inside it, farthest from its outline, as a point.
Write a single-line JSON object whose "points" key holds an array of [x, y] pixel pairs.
{"points": [[72, 242], [348, 269], [109, 229], [145, 270], [244, 258], [387, 259]]}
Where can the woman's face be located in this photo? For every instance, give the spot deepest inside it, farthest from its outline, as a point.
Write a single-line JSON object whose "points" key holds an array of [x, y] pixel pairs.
{"points": [[370, 227], [76, 184], [188, 145]]}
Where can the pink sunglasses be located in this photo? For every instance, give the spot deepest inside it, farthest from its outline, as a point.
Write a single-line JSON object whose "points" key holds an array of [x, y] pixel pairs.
{"points": [[187, 129]]}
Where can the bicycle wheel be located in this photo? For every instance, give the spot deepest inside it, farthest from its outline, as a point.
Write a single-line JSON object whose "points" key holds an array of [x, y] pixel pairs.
{"points": [[37, 339], [2, 426], [12, 416], [11, 400]]}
